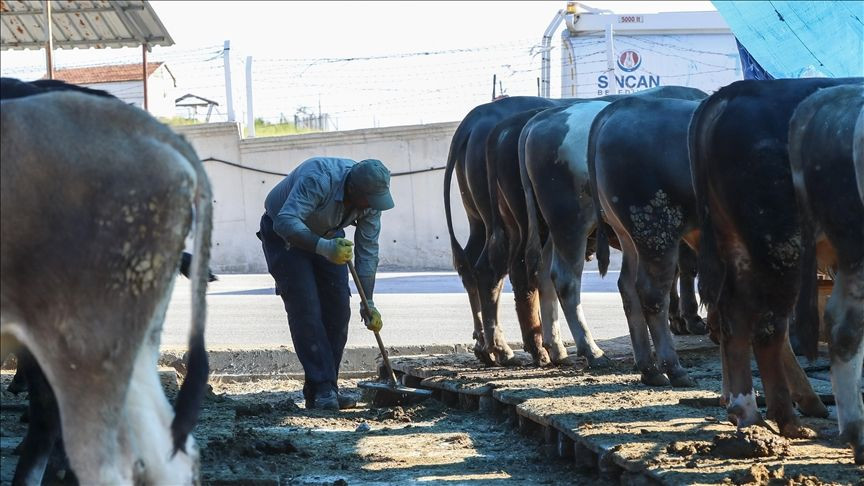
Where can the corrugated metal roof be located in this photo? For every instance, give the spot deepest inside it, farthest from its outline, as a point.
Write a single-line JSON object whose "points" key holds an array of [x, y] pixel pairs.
{"points": [[82, 24]]}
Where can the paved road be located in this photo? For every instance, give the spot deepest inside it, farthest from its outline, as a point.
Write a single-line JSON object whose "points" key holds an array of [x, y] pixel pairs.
{"points": [[418, 309]]}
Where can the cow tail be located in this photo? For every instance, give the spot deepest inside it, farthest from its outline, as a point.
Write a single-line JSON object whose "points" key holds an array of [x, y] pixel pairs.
{"points": [[497, 242], [457, 145], [602, 238], [712, 270], [535, 237], [805, 324], [188, 403]]}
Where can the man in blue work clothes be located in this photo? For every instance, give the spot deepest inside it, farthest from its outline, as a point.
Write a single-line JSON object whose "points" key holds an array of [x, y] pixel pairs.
{"points": [[306, 252]]}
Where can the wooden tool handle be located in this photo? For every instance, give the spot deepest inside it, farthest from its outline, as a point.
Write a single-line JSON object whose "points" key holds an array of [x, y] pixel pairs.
{"points": [[390, 375]]}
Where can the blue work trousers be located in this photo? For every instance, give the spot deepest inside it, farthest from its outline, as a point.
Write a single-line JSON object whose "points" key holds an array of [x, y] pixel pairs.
{"points": [[317, 300]]}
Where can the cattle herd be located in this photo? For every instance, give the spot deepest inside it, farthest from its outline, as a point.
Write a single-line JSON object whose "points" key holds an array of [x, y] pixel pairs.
{"points": [[756, 188]]}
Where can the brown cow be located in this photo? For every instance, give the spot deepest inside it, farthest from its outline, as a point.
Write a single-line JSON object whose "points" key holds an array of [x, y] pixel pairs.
{"points": [[750, 263]]}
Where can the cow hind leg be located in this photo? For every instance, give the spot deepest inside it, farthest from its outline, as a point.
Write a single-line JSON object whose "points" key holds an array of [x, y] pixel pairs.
{"points": [[552, 340], [43, 431], [735, 350], [469, 280], [653, 281], [769, 347], [567, 265], [845, 316], [489, 290], [636, 323], [91, 413], [150, 415], [528, 312], [688, 306], [805, 398], [676, 322]]}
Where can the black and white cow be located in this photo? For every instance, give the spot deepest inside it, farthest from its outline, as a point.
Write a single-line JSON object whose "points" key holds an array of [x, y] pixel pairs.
{"points": [[644, 190], [554, 171], [822, 144], [750, 252], [482, 281], [96, 199]]}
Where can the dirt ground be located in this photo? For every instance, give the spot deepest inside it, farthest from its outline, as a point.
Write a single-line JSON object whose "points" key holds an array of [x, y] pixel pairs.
{"points": [[680, 435], [259, 433]]}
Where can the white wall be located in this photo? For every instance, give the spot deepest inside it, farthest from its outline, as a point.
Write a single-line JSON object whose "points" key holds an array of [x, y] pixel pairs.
{"points": [[160, 91], [414, 233]]}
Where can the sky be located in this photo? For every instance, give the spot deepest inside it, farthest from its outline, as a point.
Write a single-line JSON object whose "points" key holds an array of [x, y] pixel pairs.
{"points": [[431, 61]]}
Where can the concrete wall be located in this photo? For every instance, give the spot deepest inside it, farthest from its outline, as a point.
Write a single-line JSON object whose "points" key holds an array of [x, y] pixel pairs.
{"points": [[414, 233]]}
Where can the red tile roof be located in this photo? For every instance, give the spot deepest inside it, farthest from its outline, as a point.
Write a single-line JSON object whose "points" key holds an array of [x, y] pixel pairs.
{"points": [[105, 74]]}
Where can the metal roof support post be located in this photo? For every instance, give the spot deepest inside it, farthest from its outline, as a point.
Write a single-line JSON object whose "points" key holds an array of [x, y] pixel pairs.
{"points": [[610, 60], [226, 60], [49, 41], [144, 73], [250, 114]]}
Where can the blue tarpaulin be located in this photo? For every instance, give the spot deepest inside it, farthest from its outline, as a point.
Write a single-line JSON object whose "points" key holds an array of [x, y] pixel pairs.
{"points": [[751, 68], [793, 39]]}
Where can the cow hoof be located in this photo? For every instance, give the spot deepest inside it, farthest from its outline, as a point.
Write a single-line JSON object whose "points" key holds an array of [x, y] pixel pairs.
{"points": [[542, 359], [813, 407], [599, 362], [557, 353], [653, 377], [677, 325], [484, 357], [503, 355], [854, 435], [696, 326], [682, 381]]}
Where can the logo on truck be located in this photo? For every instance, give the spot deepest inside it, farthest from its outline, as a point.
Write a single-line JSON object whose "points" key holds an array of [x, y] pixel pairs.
{"points": [[629, 61], [628, 81]]}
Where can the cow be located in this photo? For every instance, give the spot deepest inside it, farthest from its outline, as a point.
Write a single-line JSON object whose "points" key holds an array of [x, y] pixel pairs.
{"points": [[858, 156], [467, 158], [822, 147], [554, 172], [645, 194], [44, 429], [750, 249], [536, 303], [87, 273]]}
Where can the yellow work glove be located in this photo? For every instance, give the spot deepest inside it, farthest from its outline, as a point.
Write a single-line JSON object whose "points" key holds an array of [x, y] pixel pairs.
{"points": [[337, 250], [371, 317]]}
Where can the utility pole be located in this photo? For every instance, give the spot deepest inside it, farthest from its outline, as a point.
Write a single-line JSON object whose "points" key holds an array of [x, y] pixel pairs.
{"points": [[610, 59], [250, 115], [49, 41], [144, 74], [226, 61]]}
